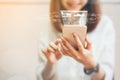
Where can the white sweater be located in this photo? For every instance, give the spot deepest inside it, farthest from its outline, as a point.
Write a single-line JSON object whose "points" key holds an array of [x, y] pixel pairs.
{"points": [[103, 41]]}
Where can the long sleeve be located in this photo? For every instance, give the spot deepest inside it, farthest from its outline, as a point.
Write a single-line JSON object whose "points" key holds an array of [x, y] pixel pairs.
{"points": [[45, 70], [107, 57], [41, 57]]}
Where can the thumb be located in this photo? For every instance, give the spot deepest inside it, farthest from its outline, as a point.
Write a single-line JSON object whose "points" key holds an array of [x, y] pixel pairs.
{"points": [[89, 44]]}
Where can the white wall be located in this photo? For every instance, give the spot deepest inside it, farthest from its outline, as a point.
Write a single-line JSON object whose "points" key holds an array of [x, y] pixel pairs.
{"points": [[24, 0], [20, 26], [110, 0]]}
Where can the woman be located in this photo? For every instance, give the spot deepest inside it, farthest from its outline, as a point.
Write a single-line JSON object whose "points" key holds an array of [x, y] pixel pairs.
{"points": [[95, 61]]}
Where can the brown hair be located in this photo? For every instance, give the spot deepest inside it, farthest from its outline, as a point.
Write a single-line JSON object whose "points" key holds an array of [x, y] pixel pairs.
{"points": [[93, 18]]}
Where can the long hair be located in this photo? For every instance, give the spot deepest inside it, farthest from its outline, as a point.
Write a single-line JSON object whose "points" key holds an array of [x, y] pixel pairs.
{"points": [[93, 18]]}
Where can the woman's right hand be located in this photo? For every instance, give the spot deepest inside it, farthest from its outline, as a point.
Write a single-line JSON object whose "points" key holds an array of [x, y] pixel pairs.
{"points": [[53, 52]]}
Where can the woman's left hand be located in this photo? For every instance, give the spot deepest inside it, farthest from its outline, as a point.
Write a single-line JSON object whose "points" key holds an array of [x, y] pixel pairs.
{"points": [[82, 55]]}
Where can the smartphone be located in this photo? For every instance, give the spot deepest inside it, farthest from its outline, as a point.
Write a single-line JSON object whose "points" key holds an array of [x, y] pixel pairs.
{"points": [[80, 30]]}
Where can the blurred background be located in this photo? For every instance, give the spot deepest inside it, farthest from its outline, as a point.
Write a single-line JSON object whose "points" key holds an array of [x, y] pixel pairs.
{"points": [[20, 27]]}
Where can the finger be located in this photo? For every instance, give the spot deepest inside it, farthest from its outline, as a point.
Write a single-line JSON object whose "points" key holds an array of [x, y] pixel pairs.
{"points": [[62, 48], [64, 53], [58, 54], [52, 45], [89, 44], [65, 50], [56, 48], [69, 53], [44, 51], [57, 41], [50, 49], [68, 45], [72, 51], [79, 43]]}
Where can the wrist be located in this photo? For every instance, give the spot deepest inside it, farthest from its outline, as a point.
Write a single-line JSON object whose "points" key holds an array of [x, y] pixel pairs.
{"points": [[50, 64], [92, 71], [90, 65]]}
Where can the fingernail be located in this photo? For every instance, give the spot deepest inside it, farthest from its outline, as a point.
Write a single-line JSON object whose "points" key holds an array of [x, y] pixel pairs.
{"points": [[59, 40], [53, 45], [43, 50]]}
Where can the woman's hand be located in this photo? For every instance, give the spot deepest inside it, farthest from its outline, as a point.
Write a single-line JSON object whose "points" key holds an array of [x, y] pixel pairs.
{"points": [[82, 55], [53, 53]]}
